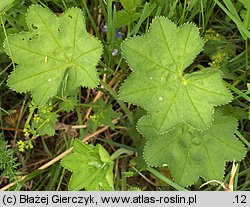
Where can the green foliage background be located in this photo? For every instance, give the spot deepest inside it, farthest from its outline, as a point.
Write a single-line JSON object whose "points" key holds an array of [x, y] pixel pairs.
{"points": [[99, 73]]}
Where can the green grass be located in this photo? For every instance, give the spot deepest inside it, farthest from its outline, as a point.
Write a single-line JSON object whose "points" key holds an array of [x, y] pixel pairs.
{"points": [[223, 18]]}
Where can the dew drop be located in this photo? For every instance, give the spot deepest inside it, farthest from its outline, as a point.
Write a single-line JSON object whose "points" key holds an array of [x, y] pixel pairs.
{"points": [[150, 78], [160, 98], [46, 59], [184, 82], [49, 80]]}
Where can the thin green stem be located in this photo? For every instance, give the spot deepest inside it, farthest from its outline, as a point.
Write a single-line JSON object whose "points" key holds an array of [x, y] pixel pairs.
{"points": [[61, 179], [123, 106], [166, 180], [93, 24], [79, 116], [143, 176], [246, 46], [119, 152], [243, 139], [7, 41], [31, 110], [46, 147], [239, 92]]}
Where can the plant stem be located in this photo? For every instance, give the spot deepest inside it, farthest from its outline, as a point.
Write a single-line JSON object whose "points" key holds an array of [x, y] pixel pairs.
{"points": [[246, 46], [166, 180], [7, 42], [119, 152], [123, 106]]}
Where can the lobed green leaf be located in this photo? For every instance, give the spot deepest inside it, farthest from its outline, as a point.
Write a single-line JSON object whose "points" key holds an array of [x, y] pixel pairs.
{"points": [[158, 61], [190, 153], [92, 167], [56, 53]]}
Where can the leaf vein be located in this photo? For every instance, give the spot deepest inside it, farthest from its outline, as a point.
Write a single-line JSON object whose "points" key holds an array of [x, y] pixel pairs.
{"points": [[51, 34], [185, 47], [170, 52], [209, 91], [150, 60], [170, 105], [40, 73], [191, 100]]}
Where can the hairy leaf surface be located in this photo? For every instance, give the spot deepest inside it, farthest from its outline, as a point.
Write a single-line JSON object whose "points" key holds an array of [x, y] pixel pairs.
{"points": [[92, 167], [56, 53], [190, 153], [158, 61]]}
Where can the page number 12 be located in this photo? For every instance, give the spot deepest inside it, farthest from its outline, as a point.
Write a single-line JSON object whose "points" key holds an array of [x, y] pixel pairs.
{"points": [[240, 199]]}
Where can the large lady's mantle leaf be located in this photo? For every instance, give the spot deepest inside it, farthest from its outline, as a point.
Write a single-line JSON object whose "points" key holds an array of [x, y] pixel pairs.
{"points": [[92, 167], [57, 52], [158, 60], [190, 153]]}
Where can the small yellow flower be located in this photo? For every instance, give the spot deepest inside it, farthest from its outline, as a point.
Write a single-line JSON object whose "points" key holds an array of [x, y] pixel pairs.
{"points": [[29, 144], [20, 142], [21, 149], [21, 146], [211, 35], [217, 60]]}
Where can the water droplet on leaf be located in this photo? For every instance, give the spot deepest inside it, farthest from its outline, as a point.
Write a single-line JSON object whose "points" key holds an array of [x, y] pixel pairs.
{"points": [[46, 59], [184, 82], [160, 98]]}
